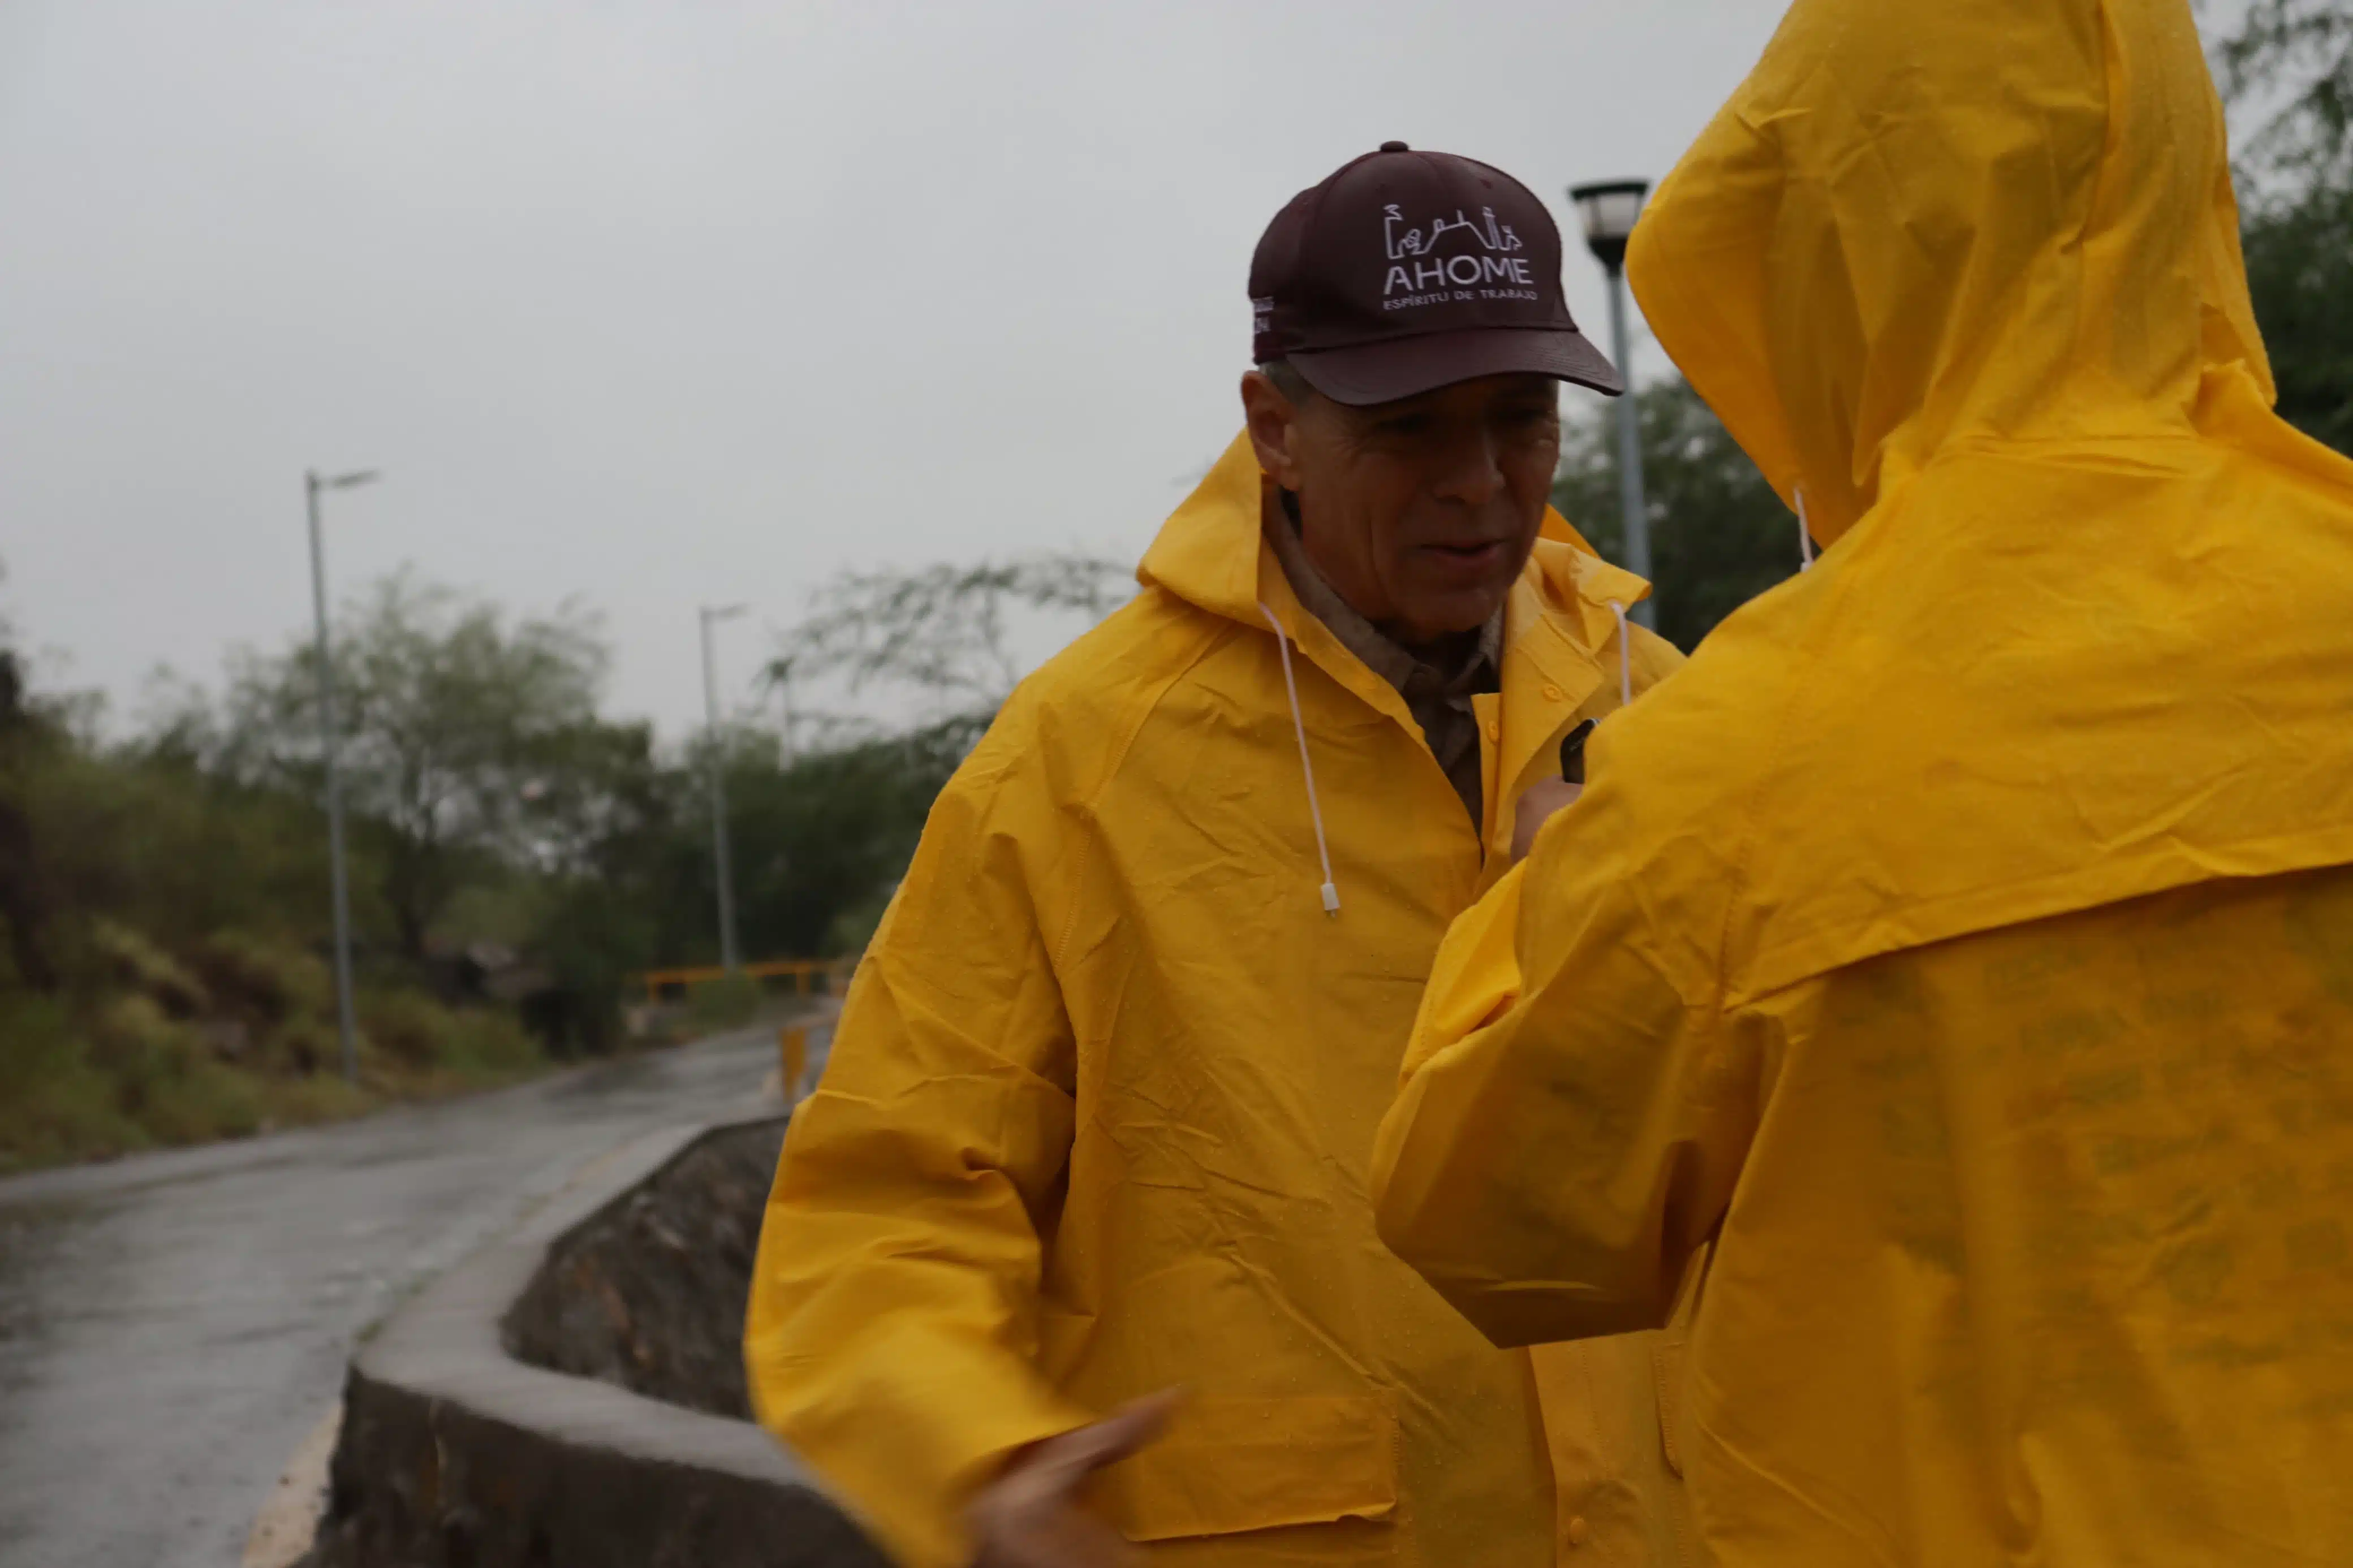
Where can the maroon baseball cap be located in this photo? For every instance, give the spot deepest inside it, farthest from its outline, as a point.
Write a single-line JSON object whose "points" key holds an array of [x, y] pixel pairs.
{"points": [[1406, 271]]}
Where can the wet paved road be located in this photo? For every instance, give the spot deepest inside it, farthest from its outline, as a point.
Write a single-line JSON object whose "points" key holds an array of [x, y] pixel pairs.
{"points": [[171, 1325]]}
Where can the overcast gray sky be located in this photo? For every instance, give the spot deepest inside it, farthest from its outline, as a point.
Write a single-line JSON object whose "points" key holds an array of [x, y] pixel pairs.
{"points": [[657, 304]]}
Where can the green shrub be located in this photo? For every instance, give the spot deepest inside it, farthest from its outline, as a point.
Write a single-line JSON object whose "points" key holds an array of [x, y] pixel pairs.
{"points": [[36, 1043], [324, 1098], [409, 1026], [489, 1043], [728, 1003], [133, 962], [70, 1116], [854, 927], [128, 1077], [593, 939], [147, 1053], [203, 1101], [262, 982], [415, 1032], [301, 1050], [54, 1105]]}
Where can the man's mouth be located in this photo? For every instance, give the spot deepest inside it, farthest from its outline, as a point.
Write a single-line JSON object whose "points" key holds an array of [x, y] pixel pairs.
{"points": [[1471, 555]]}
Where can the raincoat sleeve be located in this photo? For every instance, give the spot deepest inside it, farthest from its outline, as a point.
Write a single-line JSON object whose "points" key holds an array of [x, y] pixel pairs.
{"points": [[1573, 1110], [892, 1319]]}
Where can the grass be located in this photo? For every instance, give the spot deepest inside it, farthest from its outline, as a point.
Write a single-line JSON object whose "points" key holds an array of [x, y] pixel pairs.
{"points": [[154, 1050], [159, 1050]]}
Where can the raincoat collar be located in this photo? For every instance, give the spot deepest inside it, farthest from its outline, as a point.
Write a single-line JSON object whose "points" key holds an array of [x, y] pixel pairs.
{"points": [[1560, 631], [1388, 658], [1212, 552]]}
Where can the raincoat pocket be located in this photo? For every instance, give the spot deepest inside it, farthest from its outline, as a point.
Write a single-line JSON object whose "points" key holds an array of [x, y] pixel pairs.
{"points": [[1233, 1464]]}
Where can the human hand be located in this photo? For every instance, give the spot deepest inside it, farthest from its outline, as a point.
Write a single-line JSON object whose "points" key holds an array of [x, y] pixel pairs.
{"points": [[1030, 1516], [1537, 803]]}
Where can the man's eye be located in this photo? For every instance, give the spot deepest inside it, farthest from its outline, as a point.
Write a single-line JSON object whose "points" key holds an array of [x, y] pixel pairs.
{"points": [[1404, 425]]}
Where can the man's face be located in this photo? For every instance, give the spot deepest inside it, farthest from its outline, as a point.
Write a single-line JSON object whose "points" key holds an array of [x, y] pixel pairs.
{"points": [[1421, 512]]}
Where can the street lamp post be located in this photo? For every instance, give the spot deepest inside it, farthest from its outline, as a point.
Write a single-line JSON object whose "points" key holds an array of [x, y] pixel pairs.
{"points": [[344, 1027], [729, 958], [1608, 211]]}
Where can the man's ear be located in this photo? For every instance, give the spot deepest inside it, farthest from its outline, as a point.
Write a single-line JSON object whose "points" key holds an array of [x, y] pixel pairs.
{"points": [[1272, 420]]}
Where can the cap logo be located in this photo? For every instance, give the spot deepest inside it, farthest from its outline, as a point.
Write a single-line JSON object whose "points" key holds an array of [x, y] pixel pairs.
{"points": [[1418, 277]]}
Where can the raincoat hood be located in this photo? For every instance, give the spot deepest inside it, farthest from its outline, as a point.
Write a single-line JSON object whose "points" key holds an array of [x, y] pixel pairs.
{"points": [[1917, 227], [1965, 280]]}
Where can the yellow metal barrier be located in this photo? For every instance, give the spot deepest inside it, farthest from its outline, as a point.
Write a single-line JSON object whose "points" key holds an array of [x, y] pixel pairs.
{"points": [[792, 1058], [802, 972]]}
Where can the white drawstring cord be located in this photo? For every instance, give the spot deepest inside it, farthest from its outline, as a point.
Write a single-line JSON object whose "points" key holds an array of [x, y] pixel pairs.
{"points": [[1299, 727], [1625, 656], [1805, 535]]}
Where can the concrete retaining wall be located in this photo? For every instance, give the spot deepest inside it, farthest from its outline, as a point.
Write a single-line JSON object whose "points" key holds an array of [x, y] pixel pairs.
{"points": [[648, 1293], [456, 1455]]}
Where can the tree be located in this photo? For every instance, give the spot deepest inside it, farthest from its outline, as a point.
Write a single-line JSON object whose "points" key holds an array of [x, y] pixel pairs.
{"points": [[1719, 536], [816, 836], [2299, 53], [2296, 184], [27, 736], [2300, 272], [606, 816], [822, 834], [142, 833], [943, 631], [453, 725]]}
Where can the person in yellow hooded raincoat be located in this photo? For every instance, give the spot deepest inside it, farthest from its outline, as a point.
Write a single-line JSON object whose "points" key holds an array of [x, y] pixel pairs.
{"points": [[1962, 945], [1098, 1113]]}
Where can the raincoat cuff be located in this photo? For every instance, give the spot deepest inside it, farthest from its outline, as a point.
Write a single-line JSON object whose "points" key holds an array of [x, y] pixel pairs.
{"points": [[964, 1445]]}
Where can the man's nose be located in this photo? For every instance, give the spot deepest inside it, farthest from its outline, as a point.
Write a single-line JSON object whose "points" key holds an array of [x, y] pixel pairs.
{"points": [[1473, 471]]}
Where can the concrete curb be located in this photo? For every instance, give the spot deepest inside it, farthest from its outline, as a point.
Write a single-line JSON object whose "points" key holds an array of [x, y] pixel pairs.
{"points": [[288, 1525], [454, 1453]]}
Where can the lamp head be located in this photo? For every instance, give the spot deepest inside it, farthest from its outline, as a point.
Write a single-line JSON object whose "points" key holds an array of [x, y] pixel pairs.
{"points": [[1608, 212]]}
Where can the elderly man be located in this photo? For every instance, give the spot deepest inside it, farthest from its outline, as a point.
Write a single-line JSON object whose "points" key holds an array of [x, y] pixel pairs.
{"points": [[1098, 1117], [1963, 946]]}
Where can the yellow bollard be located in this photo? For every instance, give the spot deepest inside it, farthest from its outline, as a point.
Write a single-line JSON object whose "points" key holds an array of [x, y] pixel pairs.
{"points": [[792, 1051]]}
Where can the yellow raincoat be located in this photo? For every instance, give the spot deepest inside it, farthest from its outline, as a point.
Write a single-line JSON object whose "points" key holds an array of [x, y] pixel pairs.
{"points": [[1099, 1111], [1962, 942]]}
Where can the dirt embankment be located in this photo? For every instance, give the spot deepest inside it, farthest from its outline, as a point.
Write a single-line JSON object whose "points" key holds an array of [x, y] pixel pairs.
{"points": [[650, 1294]]}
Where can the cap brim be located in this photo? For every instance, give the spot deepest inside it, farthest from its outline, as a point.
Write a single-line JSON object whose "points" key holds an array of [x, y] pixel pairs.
{"points": [[1407, 367]]}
